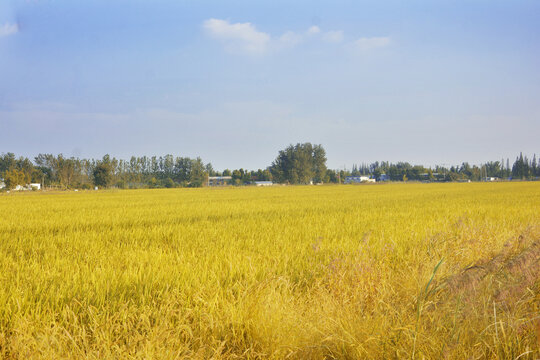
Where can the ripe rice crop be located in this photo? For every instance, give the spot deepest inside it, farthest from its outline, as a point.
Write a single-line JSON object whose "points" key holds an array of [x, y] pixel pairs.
{"points": [[309, 272]]}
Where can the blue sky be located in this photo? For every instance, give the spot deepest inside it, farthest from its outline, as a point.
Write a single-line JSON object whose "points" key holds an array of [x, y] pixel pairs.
{"points": [[431, 82]]}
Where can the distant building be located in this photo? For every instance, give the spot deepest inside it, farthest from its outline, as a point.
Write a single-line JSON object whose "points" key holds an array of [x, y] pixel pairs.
{"points": [[490, 178], [26, 187], [431, 176], [264, 183], [358, 179], [2, 184], [219, 180], [384, 177]]}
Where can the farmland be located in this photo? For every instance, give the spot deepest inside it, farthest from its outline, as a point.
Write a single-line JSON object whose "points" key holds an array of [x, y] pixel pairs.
{"points": [[346, 272]]}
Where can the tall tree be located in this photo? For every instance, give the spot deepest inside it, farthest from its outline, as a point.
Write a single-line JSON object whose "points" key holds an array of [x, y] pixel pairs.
{"points": [[300, 164], [197, 175], [520, 169], [14, 177], [182, 169], [7, 161], [319, 164], [103, 172]]}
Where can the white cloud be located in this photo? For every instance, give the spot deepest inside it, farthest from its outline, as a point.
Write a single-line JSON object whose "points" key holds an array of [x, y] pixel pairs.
{"points": [[8, 29], [333, 36], [371, 43], [290, 38], [242, 37], [245, 38], [313, 30]]}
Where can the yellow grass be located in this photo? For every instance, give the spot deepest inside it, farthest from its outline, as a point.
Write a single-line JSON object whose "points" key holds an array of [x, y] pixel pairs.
{"points": [[345, 272]]}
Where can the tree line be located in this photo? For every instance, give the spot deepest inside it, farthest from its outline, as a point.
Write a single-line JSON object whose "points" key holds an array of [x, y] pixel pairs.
{"points": [[303, 163], [522, 169], [138, 172]]}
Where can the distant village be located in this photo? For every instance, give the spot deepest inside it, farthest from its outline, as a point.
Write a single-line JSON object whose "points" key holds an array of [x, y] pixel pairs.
{"points": [[300, 164], [221, 181]]}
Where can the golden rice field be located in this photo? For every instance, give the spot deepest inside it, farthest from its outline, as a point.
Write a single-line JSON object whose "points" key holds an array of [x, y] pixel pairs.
{"points": [[396, 271]]}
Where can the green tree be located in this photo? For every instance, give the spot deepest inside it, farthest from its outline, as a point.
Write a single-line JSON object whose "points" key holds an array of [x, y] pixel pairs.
{"points": [[237, 174], [7, 162], [182, 169], [210, 169], [169, 183], [14, 177], [377, 173], [520, 169], [65, 170], [102, 174], [331, 176], [300, 164], [197, 175], [319, 163]]}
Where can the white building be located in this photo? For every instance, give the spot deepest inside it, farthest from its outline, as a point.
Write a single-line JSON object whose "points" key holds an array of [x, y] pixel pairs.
{"points": [[33, 186], [358, 179], [264, 183], [219, 180]]}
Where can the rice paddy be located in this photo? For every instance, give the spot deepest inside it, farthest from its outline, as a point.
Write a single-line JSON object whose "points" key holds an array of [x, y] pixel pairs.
{"points": [[309, 272]]}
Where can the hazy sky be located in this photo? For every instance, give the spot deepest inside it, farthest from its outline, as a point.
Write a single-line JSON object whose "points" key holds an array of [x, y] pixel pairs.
{"points": [[431, 82]]}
